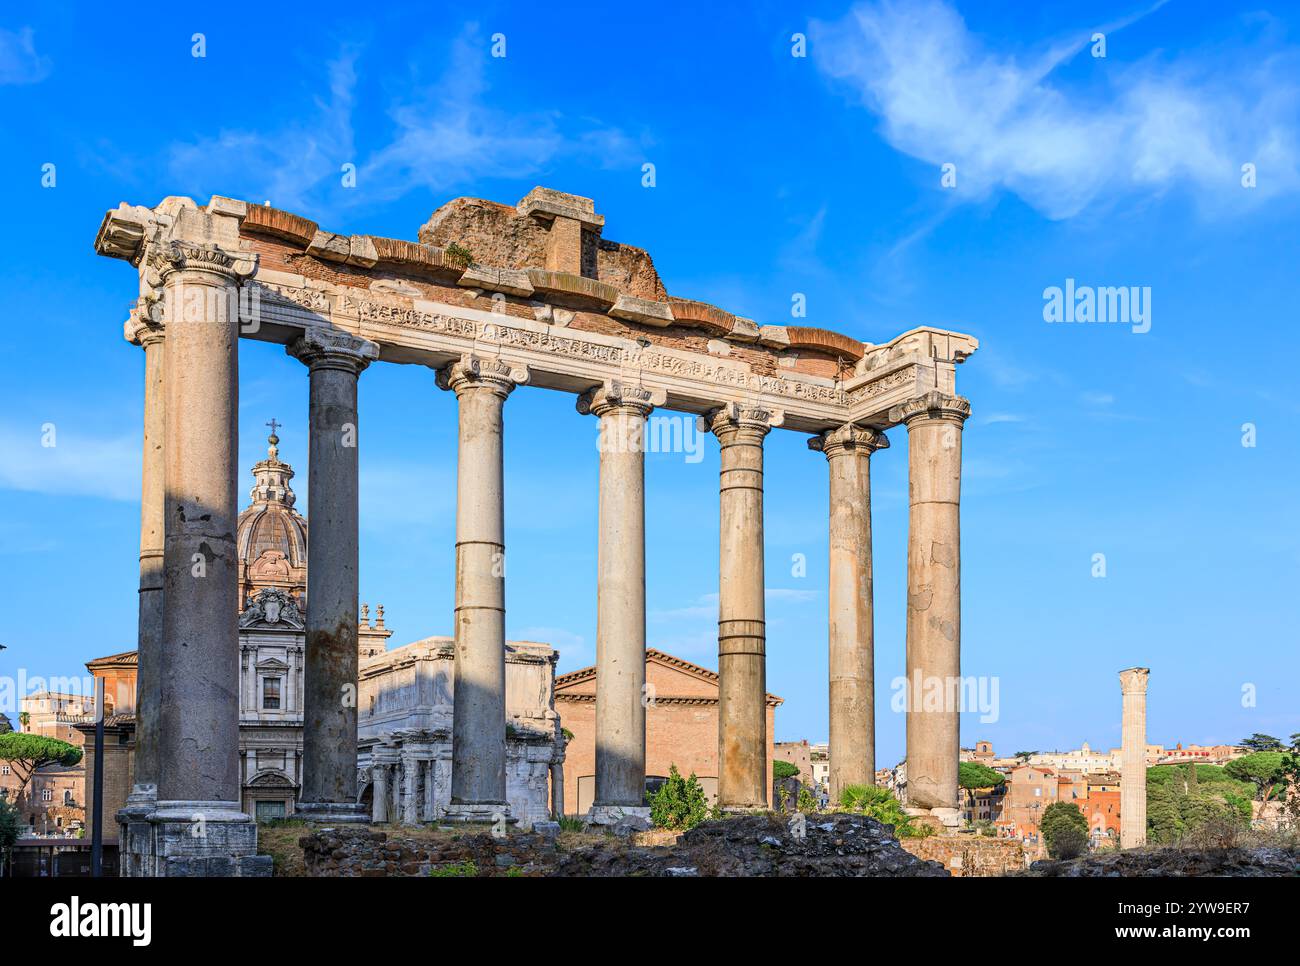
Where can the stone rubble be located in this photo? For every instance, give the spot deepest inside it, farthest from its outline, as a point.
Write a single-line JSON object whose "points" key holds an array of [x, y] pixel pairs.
{"points": [[762, 845], [1175, 863]]}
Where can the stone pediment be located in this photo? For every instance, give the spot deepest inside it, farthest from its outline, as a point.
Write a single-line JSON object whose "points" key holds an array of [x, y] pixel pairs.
{"points": [[271, 779], [272, 664]]}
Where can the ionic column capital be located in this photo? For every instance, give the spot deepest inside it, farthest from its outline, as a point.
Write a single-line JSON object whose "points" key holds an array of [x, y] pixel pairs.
{"points": [[324, 349], [739, 423], [472, 372], [615, 396], [933, 405], [142, 330], [176, 255], [848, 439], [1134, 680]]}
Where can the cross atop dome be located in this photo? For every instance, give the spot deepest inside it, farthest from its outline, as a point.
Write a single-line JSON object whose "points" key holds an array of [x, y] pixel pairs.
{"points": [[273, 451]]}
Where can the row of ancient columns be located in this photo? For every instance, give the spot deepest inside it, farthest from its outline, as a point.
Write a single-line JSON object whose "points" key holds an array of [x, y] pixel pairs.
{"points": [[188, 703], [934, 422], [188, 713]]}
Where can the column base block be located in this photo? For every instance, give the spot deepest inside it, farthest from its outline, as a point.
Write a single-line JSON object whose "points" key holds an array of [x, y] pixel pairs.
{"points": [[616, 814], [939, 818], [745, 809], [189, 840], [485, 812], [332, 813]]}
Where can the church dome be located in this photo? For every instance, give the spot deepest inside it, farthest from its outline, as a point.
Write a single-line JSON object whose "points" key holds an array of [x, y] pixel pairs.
{"points": [[271, 537]]}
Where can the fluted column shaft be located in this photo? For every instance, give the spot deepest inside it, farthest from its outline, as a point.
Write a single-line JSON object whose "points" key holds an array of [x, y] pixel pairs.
{"points": [[478, 769], [329, 699], [1133, 759], [149, 336], [851, 623], [934, 432], [198, 720], [620, 596], [742, 656]]}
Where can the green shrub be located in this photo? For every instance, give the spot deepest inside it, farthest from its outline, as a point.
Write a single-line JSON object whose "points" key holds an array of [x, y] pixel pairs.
{"points": [[782, 770], [880, 804], [807, 801], [459, 255], [680, 803], [1064, 829]]}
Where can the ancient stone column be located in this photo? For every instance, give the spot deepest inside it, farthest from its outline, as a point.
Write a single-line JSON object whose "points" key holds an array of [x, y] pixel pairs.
{"points": [[198, 720], [1133, 759], [329, 700], [934, 431], [379, 793], [147, 333], [852, 650], [410, 808], [742, 662], [557, 790], [478, 768], [620, 600]]}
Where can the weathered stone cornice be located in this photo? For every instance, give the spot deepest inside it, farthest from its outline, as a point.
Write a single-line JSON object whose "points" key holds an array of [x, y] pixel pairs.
{"points": [[571, 328], [849, 439]]}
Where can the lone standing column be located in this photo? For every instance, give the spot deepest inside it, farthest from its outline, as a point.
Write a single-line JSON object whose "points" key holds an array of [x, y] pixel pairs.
{"points": [[379, 794], [329, 701], [1133, 759], [148, 334], [742, 656], [620, 600], [934, 432], [852, 649], [198, 722], [478, 742]]}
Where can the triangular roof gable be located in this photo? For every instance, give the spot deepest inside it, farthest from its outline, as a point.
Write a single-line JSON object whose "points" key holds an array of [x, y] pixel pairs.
{"points": [[671, 677]]}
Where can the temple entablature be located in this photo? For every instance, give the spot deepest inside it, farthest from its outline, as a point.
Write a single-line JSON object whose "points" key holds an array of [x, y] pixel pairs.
{"points": [[538, 285]]}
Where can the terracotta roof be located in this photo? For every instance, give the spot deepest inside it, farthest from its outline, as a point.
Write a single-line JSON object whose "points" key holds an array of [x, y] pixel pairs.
{"points": [[587, 673], [124, 659]]}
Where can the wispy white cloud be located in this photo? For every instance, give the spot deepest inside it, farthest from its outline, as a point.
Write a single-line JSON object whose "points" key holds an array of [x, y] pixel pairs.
{"points": [[443, 134], [19, 61], [1010, 122], [283, 166]]}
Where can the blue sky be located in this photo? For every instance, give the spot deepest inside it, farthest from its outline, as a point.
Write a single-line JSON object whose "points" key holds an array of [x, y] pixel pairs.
{"points": [[775, 175]]}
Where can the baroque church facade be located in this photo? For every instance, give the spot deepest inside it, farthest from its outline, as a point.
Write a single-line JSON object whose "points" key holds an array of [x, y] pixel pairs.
{"points": [[404, 695]]}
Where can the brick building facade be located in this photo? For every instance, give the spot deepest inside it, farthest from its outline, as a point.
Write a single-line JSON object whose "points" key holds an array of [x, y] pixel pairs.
{"points": [[681, 726]]}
